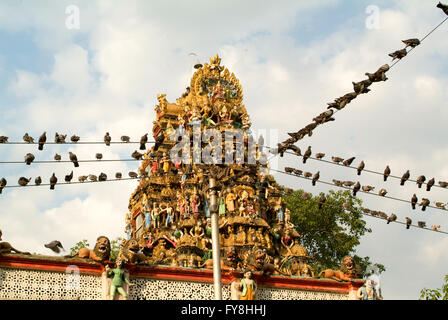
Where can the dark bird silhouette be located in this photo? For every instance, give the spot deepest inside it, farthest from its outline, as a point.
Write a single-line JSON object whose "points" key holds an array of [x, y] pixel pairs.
{"points": [[420, 181], [404, 178], [348, 183], [443, 184], [298, 172], [3, 139], [315, 178], [24, 181], [356, 188], [93, 177], [143, 141], [320, 155], [59, 138], [425, 202], [411, 42], [382, 192], [74, 159], [348, 162], [82, 178], [414, 201], [398, 54], [337, 159], [38, 181], [69, 177], [55, 246], [137, 155], [53, 181], [361, 167], [362, 86], [27, 138], [132, 174], [368, 188], [289, 170], [42, 140], [57, 157], [337, 183], [102, 177], [408, 222], [392, 218], [74, 138], [29, 158], [386, 173], [294, 149], [379, 75], [444, 7], [322, 200], [3, 183], [430, 184], [421, 224], [118, 175], [125, 138], [107, 139], [440, 205], [98, 156], [307, 174], [307, 154]]}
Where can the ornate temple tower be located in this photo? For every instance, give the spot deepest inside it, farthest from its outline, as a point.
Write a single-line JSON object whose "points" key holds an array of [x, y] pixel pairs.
{"points": [[170, 209]]}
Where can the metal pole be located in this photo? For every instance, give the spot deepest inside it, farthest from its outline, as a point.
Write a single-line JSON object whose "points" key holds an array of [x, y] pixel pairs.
{"points": [[215, 241]]}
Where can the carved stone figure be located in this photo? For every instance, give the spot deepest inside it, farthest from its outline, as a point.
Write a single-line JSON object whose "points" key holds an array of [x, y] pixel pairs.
{"points": [[100, 253], [249, 286], [129, 252], [119, 277], [5, 247], [346, 273]]}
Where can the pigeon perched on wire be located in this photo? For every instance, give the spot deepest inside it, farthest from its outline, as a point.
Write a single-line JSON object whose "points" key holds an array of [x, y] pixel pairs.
{"points": [[74, 159], [320, 155], [118, 175], [356, 188], [307, 154], [440, 205], [59, 138], [38, 181], [107, 139], [69, 177], [420, 181], [137, 155], [3, 139], [430, 184], [23, 181], [82, 178], [93, 177], [360, 167], [421, 224], [337, 159], [53, 181], [102, 177], [414, 201], [74, 139], [443, 184], [98, 156], [386, 173], [289, 170], [298, 172], [307, 174], [368, 188], [337, 183], [3, 183], [55, 246], [382, 192], [27, 138], [315, 178], [362, 86], [399, 54], [444, 7], [392, 218], [132, 174], [404, 178], [143, 141], [348, 162], [125, 139], [379, 75], [42, 140], [348, 183], [425, 202], [29, 158], [294, 149], [411, 42], [57, 157], [408, 222]]}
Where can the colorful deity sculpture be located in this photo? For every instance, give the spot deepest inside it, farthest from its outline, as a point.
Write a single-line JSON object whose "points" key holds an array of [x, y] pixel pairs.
{"points": [[119, 276], [249, 286]]}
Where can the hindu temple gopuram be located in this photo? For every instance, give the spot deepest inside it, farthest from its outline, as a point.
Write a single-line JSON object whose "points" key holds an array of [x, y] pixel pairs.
{"points": [[167, 250]]}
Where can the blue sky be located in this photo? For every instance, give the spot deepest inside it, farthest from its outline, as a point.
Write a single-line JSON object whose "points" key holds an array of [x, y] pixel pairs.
{"points": [[292, 57]]}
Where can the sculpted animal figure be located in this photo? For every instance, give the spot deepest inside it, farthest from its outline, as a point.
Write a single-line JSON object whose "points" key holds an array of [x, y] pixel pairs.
{"points": [[228, 263], [130, 252], [6, 247], [346, 273], [100, 253]]}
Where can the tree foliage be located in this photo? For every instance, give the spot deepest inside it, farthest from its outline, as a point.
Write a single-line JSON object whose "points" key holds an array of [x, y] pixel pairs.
{"points": [[330, 233], [435, 294], [78, 246]]}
